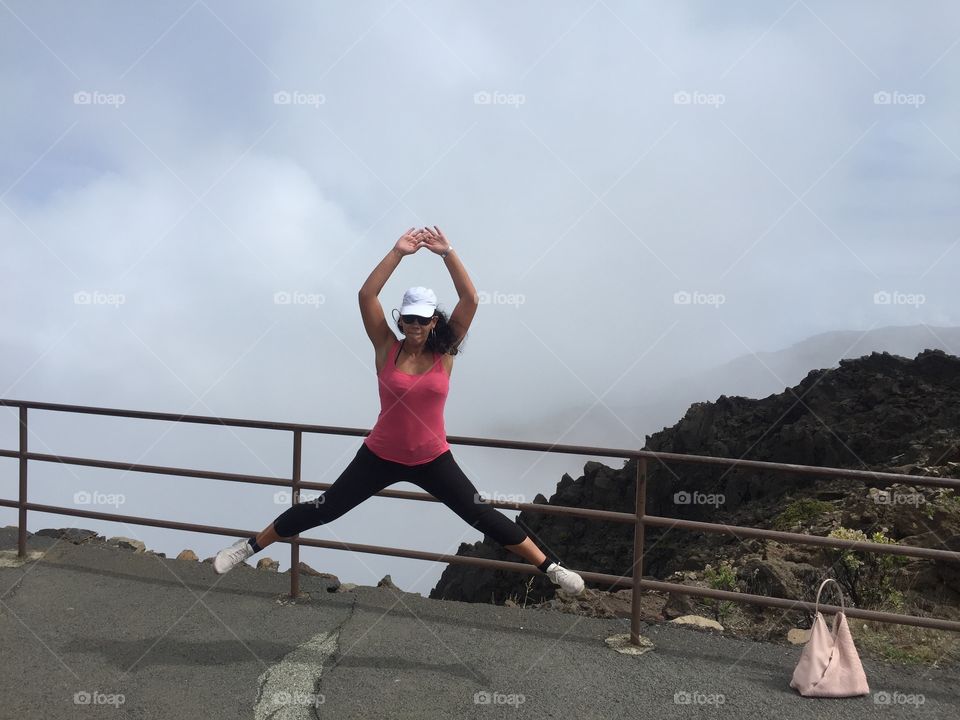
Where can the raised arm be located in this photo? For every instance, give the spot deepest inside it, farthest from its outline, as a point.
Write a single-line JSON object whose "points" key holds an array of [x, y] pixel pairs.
{"points": [[374, 321], [466, 308]]}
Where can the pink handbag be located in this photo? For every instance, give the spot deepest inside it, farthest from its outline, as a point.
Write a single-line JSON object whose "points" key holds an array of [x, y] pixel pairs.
{"points": [[829, 665]]}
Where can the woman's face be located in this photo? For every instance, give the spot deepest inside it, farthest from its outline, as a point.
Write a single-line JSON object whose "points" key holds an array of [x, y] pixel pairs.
{"points": [[415, 330]]}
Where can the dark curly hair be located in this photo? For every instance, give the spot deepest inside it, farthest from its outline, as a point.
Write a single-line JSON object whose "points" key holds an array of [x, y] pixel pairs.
{"points": [[442, 337]]}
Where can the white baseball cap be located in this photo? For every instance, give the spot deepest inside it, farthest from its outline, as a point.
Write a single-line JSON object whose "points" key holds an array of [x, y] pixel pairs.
{"points": [[419, 301]]}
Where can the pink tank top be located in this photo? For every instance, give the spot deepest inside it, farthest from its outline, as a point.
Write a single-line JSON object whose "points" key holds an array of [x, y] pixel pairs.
{"points": [[410, 427]]}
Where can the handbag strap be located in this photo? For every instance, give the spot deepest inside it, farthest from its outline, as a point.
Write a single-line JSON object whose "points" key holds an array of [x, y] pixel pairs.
{"points": [[843, 607]]}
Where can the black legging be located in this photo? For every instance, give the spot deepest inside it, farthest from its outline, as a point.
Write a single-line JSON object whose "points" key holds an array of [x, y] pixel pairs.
{"points": [[368, 474]]}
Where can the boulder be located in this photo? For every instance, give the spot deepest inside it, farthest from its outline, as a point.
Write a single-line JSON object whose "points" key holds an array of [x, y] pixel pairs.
{"points": [[307, 570], [127, 543], [949, 571], [698, 621], [387, 582], [677, 605], [268, 564], [776, 578]]}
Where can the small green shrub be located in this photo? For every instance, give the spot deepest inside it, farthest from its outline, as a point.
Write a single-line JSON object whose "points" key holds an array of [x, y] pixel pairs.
{"points": [[801, 512], [724, 577], [946, 499], [867, 577]]}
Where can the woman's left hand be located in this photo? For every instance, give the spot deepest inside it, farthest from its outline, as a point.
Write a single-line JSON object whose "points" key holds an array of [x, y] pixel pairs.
{"points": [[434, 240]]}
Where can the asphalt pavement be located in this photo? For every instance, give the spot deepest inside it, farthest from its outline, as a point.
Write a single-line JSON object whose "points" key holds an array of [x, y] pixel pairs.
{"points": [[92, 630]]}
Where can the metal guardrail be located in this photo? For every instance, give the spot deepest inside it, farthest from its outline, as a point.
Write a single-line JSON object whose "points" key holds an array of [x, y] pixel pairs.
{"points": [[639, 518]]}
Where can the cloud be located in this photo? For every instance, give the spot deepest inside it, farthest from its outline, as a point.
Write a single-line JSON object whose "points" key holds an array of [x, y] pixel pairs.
{"points": [[588, 162]]}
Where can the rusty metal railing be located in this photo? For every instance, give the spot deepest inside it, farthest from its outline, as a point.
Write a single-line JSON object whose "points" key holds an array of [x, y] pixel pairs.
{"points": [[638, 518]]}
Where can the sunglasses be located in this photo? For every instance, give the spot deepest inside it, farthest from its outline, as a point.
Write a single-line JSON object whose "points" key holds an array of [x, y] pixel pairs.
{"points": [[411, 319]]}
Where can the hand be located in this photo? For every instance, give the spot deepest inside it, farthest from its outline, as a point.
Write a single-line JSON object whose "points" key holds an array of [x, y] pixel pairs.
{"points": [[434, 240], [409, 242]]}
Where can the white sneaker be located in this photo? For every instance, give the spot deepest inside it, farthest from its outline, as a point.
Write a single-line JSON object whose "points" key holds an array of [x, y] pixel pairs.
{"points": [[229, 557], [567, 580]]}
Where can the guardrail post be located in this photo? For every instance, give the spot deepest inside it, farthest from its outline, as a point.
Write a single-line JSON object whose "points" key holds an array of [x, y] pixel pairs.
{"points": [[641, 508], [294, 497], [22, 507]]}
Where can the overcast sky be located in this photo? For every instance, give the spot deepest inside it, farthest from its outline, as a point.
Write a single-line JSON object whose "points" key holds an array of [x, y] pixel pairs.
{"points": [[638, 191]]}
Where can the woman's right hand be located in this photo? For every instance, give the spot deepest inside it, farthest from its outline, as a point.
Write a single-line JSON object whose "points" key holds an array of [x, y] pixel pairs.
{"points": [[409, 242]]}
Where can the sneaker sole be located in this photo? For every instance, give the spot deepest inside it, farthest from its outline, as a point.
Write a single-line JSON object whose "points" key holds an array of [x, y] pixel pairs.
{"points": [[222, 572]]}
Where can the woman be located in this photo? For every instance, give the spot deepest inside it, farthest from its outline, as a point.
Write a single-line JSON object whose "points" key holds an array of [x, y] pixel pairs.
{"points": [[409, 442]]}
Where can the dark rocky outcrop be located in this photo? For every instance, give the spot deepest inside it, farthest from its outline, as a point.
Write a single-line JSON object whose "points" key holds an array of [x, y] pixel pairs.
{"points": [[877, 412], [76, 536]]}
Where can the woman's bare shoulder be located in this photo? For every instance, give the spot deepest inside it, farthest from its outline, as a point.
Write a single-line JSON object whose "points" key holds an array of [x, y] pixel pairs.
{"points": [[383, 351]]}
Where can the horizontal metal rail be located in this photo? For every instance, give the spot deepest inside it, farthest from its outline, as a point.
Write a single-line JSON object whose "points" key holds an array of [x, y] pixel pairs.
{"points": [[502, 444]]}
